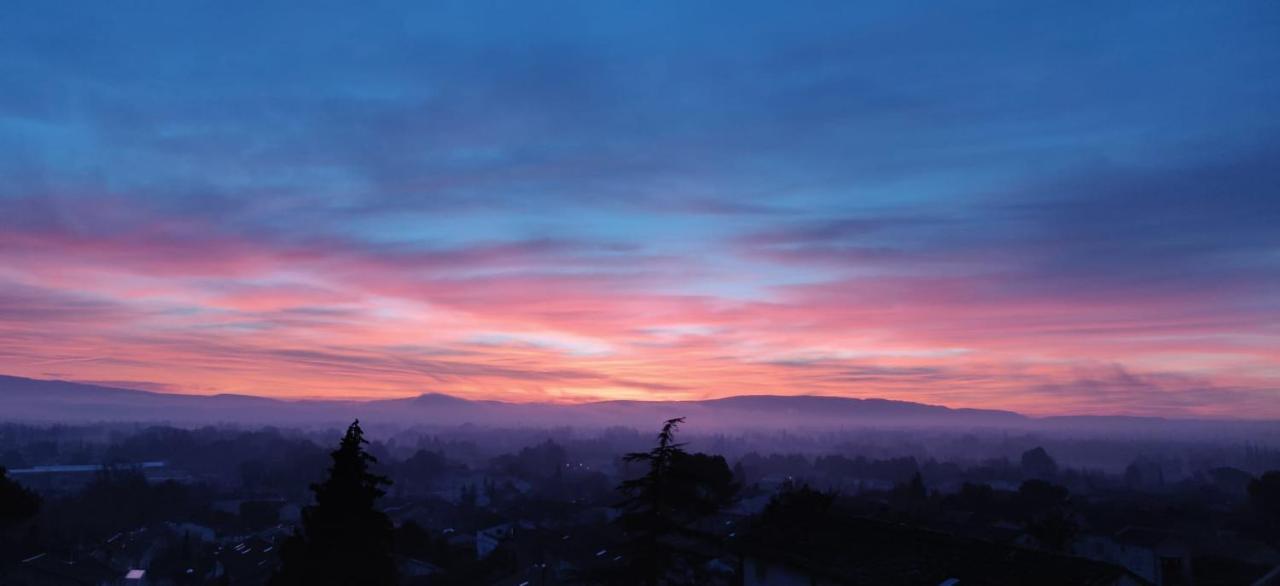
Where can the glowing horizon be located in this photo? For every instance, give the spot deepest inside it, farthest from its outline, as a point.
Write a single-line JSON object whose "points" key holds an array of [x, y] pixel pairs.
{"points": [[676, 203]]}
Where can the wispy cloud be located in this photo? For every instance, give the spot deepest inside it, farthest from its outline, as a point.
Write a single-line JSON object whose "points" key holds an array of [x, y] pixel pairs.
{"points": [[669, 203]]}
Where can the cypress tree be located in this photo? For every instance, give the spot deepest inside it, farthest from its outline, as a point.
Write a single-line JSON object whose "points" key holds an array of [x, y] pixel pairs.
{"points": [[344, 540]]}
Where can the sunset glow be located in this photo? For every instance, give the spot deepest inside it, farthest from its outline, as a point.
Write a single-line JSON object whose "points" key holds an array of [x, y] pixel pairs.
{"points": [[594, 205]]}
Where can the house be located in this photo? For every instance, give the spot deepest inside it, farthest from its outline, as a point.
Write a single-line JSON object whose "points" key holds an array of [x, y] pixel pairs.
{"points": [[490, 538], [1154, 555], [415, 571]]}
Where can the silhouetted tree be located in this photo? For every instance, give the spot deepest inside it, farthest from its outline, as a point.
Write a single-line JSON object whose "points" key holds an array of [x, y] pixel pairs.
{"points": [[1053, 529], [677, 489], [1038, 495], [120, 497], [1046, 510], [532, 463], [468, 497], [344, 539], [1264, 495], [17, 504], [1036, 463], [423, 468], [648, 516], [701, 484], [913, 491], [973, 497], [1143, 474], [797, 506]]}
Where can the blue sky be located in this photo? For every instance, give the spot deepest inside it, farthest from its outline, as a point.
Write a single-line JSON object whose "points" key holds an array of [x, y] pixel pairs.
{"points": [[768, 173]]}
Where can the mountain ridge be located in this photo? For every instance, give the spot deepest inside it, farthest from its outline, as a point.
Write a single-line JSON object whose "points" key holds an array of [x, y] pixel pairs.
{"points": [[49, 400]]}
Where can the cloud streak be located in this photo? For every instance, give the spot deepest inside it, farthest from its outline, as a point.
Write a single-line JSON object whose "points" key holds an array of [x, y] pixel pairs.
{"points": [[594, 204]]}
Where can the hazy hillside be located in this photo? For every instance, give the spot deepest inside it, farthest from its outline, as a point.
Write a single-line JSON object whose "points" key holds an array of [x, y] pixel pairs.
{"points": [[23, 399]]}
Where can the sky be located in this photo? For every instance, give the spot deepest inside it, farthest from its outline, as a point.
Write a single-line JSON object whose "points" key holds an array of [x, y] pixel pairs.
{"points": [[1050, 208]]}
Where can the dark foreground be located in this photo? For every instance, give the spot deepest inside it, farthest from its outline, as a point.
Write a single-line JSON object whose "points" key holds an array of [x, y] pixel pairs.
{"points": [[156, 505]]}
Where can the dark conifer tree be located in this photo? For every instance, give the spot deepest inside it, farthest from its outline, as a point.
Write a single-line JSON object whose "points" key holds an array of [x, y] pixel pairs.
{"points": [[1036, 463], [678, 488], [344, 539], [647, 516], [1264, 495], [17, 504]]}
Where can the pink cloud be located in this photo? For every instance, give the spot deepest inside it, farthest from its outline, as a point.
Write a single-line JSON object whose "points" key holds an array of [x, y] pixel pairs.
{"points": [[180, 304]]}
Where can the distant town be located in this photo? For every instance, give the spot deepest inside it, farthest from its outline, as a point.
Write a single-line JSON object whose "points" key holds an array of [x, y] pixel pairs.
{"points": [[152, 504]]}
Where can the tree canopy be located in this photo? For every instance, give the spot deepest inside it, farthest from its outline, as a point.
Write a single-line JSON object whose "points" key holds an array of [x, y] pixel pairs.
{"points": [[678, 488], [344, 539], [16, 502]]}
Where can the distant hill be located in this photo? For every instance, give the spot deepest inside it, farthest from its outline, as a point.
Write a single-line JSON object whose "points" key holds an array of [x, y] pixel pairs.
{"points": [[804, 411], [24, 399]]}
